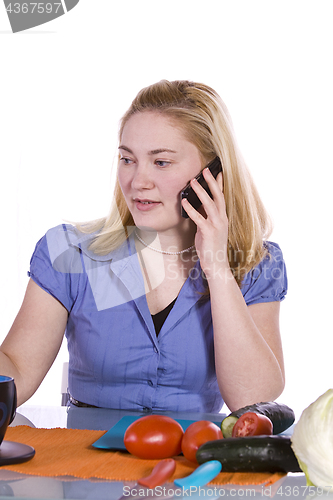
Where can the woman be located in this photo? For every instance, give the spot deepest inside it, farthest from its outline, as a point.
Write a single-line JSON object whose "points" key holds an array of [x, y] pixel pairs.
{"points": [[161, 312]]}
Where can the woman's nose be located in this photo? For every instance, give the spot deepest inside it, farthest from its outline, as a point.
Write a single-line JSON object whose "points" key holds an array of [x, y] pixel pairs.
{"points": [[142, 178]]}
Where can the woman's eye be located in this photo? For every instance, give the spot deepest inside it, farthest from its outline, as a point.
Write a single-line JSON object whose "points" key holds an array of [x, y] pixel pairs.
{"points": [[126, 161], [162, 163]]}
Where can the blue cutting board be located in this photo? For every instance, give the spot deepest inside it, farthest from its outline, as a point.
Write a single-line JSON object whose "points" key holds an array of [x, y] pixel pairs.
{"points": [[114, 438]]}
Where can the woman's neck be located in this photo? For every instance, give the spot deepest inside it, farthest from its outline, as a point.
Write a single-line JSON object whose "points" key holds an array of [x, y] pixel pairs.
{"points": [[166, 241]]}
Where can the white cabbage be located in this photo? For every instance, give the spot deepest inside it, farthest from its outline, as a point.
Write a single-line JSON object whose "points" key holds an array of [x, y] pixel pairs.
{"points": [[312, 442]]}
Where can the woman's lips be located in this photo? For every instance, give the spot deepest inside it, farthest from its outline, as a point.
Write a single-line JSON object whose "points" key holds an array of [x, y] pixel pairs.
{"points": [[146, 205]]}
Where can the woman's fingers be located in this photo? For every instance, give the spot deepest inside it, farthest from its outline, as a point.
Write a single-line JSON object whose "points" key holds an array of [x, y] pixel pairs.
{"points": [[191, 211], [215, 185], [211, 206]]}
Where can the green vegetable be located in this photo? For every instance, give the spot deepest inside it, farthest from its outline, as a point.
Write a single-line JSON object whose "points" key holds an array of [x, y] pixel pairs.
{"points": [[251, 454], [312, 442], [281, 416], [227, 425]]}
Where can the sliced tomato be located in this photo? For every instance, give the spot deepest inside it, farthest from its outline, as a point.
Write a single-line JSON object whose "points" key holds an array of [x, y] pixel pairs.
{"points": [[197, 434], [252, 424], [153, 437]]}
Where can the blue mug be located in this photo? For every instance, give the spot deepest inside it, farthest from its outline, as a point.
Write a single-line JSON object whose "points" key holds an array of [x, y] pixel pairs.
{"points": [[8, 402]]}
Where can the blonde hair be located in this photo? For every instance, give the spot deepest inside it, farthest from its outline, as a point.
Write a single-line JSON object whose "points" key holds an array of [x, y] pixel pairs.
{"points": [[205, 120]]}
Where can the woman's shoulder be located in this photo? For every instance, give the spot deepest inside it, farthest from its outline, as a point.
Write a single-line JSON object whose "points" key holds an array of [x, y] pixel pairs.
{"points": [[267, 281], [65, 239], [273, 249], [65, 234], [58, 248]]}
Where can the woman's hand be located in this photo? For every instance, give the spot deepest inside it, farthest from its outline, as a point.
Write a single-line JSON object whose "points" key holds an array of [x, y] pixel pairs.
{"points": [[211, 239]]}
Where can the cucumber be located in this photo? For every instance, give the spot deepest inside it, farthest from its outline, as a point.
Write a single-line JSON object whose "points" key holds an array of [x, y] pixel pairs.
{"points": [[227, 425], [251, 454], [281, 416]]}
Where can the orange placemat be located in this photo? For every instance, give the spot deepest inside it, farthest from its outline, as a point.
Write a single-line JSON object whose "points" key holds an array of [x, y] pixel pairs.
{"points": [[69, 452]]}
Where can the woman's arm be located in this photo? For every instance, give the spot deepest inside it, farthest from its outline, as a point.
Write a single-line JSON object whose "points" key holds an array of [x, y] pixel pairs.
{"points": [[248, 352], [33, 341]]}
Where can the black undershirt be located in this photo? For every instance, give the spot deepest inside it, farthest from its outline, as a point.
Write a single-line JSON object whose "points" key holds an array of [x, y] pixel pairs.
{"points": [[161, 316]]}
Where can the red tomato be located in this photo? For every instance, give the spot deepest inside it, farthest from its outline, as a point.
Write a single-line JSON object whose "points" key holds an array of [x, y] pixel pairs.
{"points": [[197, 434], [252, 424], [154, 436]]}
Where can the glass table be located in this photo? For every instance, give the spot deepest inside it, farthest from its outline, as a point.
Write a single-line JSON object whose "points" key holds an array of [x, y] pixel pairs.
{"points": [[37, 487]]}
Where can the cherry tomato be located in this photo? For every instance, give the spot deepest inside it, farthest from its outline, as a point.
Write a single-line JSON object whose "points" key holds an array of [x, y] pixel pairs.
{"points": [[197, 434], [252, 424], [154, 436]]}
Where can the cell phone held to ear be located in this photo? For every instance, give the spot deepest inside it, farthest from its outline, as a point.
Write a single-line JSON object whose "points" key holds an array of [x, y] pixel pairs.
{"points": [[215, 167]]}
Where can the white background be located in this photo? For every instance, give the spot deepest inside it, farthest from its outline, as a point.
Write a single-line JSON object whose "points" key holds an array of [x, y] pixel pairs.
{"points": [[64, 86]]}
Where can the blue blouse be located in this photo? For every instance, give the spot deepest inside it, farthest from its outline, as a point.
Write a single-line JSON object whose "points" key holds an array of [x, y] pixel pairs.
{"points": [[115, 358]]}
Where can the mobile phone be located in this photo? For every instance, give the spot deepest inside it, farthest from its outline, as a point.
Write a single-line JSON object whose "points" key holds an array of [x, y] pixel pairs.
{"points": [[215, 167]]}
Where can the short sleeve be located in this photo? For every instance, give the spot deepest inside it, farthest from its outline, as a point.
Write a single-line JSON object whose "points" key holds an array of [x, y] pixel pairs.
{"points": [[267, 282], [56, 266]]}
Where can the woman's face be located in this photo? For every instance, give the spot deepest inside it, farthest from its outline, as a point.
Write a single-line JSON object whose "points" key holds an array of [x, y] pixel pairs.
{"points": [[156, 162]]}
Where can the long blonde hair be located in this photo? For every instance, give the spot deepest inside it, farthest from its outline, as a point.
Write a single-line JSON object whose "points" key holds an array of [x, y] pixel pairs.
{"points": [[205, 120]]}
